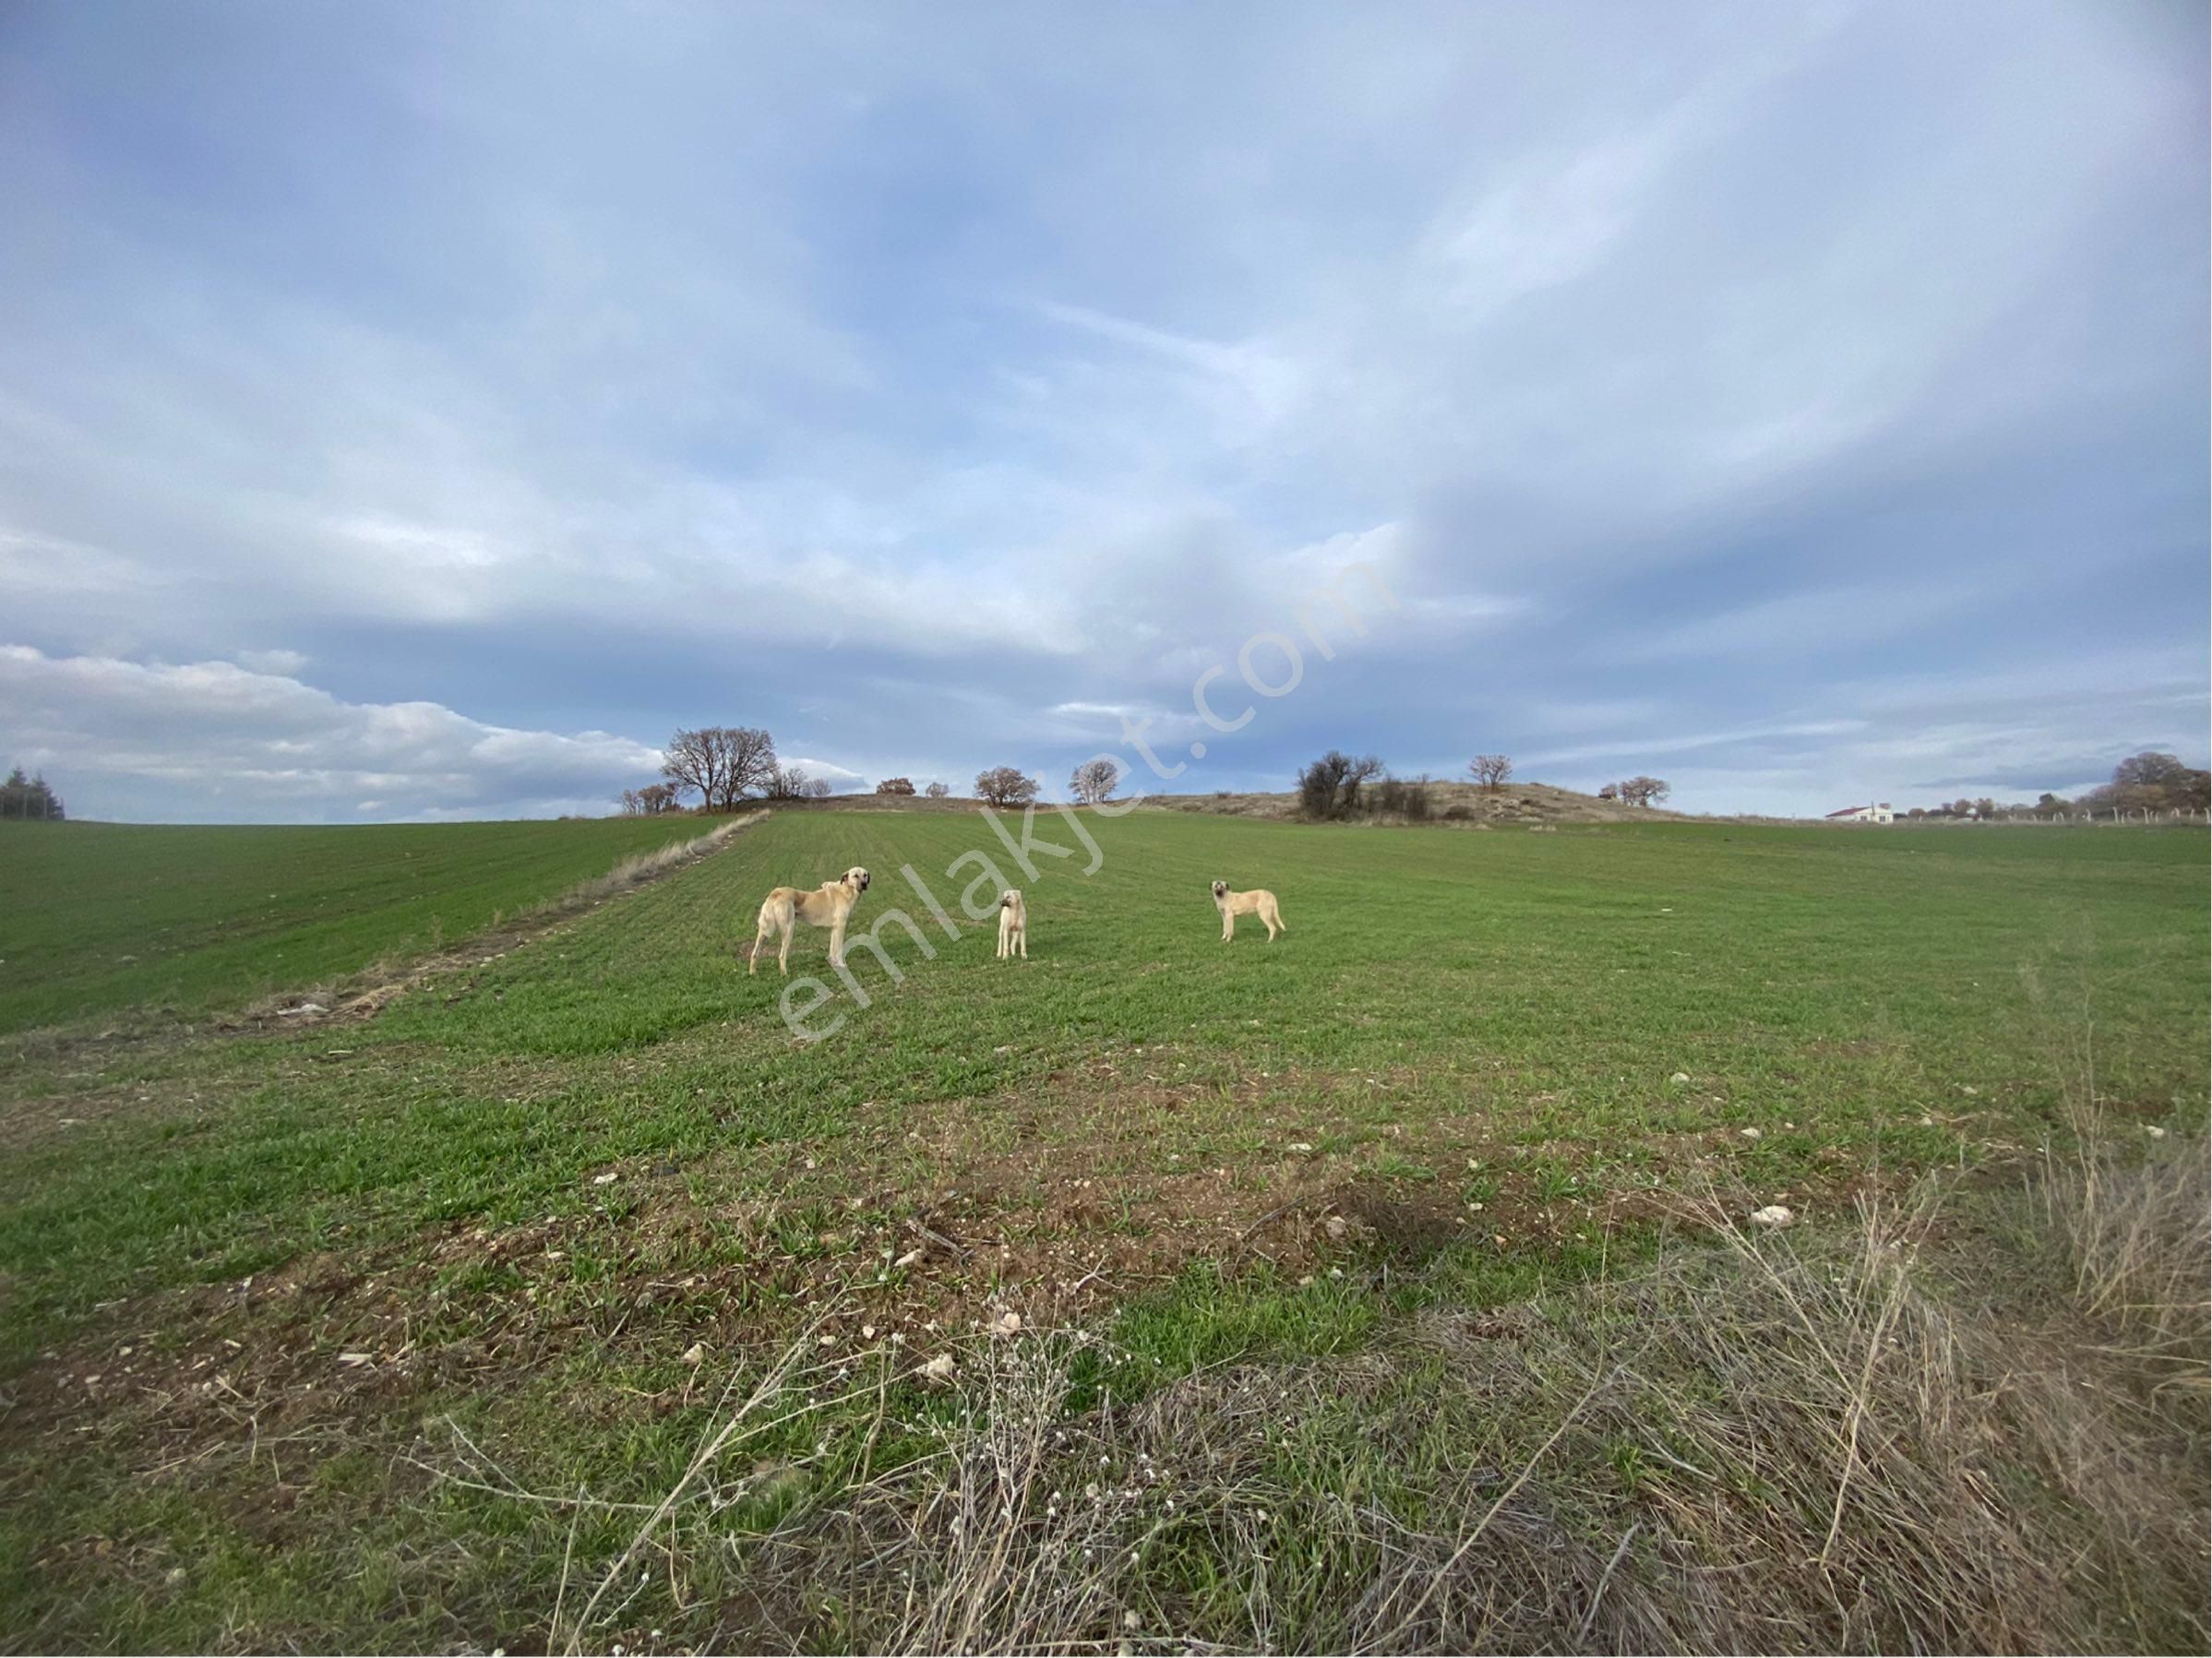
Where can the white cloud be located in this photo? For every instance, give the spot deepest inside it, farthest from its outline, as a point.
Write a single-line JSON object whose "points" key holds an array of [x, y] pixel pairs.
{"points": [[1021, 407], [214, 740], [284, 663]]}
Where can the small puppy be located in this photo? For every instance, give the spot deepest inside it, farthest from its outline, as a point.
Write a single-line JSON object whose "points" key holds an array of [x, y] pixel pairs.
{"points": [[827, 905], [1259, 903], [1013, 925]]}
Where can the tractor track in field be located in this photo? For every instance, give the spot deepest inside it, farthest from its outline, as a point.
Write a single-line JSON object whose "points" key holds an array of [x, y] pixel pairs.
{"points": [[385, 983], [351, 1001]]}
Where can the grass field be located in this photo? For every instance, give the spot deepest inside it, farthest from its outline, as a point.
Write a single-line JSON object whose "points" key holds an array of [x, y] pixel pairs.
{"points": [[293, 1321], [101, 916]]}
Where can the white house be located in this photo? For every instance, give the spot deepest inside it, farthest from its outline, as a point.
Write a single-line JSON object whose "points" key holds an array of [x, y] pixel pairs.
{"points": [[1877, 813]]}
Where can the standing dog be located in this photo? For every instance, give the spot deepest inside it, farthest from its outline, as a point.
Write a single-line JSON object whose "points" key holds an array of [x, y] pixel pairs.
{"points": [[827, 906], [1259, 903], [1013, 925]]}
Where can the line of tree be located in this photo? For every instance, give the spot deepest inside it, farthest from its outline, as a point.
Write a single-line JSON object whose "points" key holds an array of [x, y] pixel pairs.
{"points": [[652, 800], [792, 782], [1638, 790], [2153, 782], [31, 797], [896, 786]]}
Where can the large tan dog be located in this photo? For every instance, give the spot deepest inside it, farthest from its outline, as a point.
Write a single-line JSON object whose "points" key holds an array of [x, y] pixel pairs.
{"points": [[1259, 903], [827, 905], [1013, 925]]}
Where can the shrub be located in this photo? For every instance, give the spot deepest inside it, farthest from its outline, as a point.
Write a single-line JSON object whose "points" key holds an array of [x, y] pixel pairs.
{"points": [[1395, 797], [1330, 786]]}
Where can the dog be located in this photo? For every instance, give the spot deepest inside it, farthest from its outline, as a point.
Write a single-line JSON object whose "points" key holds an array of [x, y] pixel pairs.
{"points": [[1013, 925], [829, 905], [1259, 902]]}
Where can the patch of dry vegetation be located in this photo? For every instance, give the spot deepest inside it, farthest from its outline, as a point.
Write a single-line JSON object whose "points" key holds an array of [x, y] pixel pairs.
{"points": [[1512, 805], [1789, 1442], [645, 866]]}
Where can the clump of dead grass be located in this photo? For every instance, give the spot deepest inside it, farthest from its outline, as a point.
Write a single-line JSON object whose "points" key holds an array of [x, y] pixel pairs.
{"points": [[1804, 1441], [644, 867]]}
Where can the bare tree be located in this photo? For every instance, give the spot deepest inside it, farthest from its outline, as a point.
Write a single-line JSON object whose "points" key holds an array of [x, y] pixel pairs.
{"points": [[1330, 786], [938, 790], [723, 763], [651, 801], [1095, 780], [818, 788], [1005, 786], [1490, 771], [790, 782], [1610, 792], [1642, 791], [896, 786]]}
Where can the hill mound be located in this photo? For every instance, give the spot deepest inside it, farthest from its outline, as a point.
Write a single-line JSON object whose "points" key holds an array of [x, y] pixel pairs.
{"points": [[1451, 802]]}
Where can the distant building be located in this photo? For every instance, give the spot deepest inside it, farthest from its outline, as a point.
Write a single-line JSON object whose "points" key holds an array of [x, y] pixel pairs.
{"points": [[1877, 813]]}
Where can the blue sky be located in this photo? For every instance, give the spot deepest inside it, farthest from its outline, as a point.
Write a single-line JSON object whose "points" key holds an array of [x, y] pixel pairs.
{"points": [[416, 410]]}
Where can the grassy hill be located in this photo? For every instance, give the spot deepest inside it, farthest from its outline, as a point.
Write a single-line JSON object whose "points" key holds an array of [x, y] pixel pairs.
{"points": [[1407, 1254], [99, 917]]}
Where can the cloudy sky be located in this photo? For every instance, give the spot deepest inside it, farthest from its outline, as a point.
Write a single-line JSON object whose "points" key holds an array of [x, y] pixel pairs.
{"points": [[420, 411]]}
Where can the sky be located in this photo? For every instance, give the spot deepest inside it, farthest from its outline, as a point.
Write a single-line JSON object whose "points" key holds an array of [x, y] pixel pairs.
{"points": [[417, 411]]}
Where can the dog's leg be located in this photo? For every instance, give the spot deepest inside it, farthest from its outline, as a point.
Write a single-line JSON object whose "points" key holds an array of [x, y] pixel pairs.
{"points": [[760, 937], [1022, 938], [791, 931], [837, 942]]}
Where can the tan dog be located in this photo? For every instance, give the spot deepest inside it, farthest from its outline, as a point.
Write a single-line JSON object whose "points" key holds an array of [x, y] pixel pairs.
{"points": [[1013, 925], [1259, 903], [827, 905]]}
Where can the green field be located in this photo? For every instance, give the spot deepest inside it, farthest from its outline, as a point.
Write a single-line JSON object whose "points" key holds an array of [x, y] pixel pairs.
{"points": [[1493, 1061], [101, 916]]}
